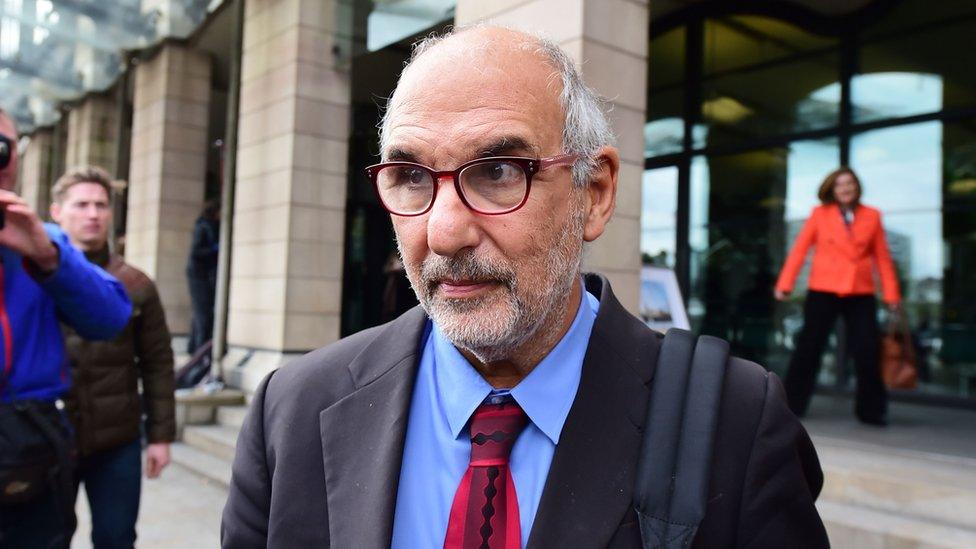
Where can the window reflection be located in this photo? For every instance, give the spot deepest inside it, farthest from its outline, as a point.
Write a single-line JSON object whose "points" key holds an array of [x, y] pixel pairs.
{"points": [[760, 79], [745, 208], [918, 70], [659, 216], [895, 94], [766, 89], [916, 175]]}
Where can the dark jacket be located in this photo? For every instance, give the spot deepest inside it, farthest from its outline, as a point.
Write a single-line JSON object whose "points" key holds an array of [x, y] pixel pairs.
{"points": [[202, 263], [103, 403], [318, 459], [77, 293]]}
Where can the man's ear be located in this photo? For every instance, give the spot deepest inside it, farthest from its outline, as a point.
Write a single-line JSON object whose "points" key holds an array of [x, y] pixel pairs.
{"points": [[55, 210], [601, 193]]}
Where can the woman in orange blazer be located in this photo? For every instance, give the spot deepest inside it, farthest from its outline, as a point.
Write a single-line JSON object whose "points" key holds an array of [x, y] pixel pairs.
{"points": [[849, 242]]}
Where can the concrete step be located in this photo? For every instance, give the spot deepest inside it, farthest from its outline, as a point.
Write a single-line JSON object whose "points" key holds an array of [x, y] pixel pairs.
{"points": [[858, 527], [217, 440], [201, 463], [928, 487], [878, 497], [231, 416]]}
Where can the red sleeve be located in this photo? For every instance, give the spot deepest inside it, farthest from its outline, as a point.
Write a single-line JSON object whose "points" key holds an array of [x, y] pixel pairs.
{"points": [[798, 254]]}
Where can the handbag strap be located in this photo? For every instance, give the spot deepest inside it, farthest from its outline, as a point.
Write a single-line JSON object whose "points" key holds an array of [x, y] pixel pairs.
{"points": [[671, 492], [898, 325]]}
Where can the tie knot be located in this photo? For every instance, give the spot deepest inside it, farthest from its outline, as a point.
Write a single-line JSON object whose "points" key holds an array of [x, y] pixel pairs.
{"points": [[494, 428]]}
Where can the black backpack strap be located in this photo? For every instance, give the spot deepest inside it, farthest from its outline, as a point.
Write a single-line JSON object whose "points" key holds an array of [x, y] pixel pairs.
{"points": [[676, 453]]}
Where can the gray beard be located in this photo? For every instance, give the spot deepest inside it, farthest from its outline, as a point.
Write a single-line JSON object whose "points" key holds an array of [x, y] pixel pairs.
{"points": [[493, 328]]}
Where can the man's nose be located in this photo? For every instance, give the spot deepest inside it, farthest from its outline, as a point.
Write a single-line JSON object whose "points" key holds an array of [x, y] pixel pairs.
{"points": [[451, 226]]}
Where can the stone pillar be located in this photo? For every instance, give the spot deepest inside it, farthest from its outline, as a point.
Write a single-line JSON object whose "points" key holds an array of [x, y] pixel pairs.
{"points": [[167, 171], [35, 171], [609, 40], [92, 133], [289, 215]]}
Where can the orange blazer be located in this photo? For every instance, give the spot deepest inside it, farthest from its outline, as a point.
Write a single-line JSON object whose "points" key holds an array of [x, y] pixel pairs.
{"points": [[844, 257]]}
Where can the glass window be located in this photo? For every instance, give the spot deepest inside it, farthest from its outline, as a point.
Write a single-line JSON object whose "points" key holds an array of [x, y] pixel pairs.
{"points": [[923, 179], [57, 51], [666, 59], [659, 216], [741, 227], [915, 73], [665, 129], [764, 77], [393, 20], [664, 132], [907, 15]]}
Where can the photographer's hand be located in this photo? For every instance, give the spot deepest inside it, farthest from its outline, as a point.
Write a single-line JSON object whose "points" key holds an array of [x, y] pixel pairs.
{"points": [[23, 232]]}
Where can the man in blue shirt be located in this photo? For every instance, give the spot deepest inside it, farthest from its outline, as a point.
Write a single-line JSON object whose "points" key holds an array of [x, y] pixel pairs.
{"points": [[43, 281], [508, 409]]}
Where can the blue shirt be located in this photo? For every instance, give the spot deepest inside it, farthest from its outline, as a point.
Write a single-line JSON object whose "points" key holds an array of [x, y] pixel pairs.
{"points": [[437, 446], [78, 293]]}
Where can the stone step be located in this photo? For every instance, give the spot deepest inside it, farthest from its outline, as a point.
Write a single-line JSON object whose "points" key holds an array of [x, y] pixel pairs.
{"points": [[203, 464], [231, 416], [858, 527], [217, 440], [911, 485]]}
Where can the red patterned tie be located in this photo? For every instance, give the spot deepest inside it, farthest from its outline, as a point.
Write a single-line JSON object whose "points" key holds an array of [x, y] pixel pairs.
{"points": [[485, 512]]}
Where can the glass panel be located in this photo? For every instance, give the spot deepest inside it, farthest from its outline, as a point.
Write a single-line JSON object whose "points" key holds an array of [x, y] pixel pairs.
{"points": [[659, 216], [765, 77], [57, 51], [915, 73], [923, 178], [664, 131], [907, 15], [744, 41], [740, 230], [393, 20], [666, 60]]}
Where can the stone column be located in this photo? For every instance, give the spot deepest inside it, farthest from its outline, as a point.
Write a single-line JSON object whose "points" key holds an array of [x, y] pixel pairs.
{"points": [[289, 215], [167, 170], [92, 133], [609, 40], [35, 171]]}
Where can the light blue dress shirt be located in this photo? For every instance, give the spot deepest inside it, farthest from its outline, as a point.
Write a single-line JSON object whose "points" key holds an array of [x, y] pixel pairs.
{"points": [[437, 446]]}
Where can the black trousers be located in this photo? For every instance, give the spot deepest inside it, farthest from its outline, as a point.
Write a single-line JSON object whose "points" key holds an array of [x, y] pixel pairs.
{"points": [[860, 317]]}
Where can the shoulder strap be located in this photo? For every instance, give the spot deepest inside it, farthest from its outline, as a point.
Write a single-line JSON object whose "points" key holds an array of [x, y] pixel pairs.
{"points": [[676, 453]]}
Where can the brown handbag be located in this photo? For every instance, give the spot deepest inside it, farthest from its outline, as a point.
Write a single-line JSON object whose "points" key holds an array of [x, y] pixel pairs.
{"points": [[898, 367]]}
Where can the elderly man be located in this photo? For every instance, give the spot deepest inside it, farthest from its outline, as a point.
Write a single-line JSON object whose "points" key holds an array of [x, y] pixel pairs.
{"points": [[508, 409], [43, 279], [104, 403]]}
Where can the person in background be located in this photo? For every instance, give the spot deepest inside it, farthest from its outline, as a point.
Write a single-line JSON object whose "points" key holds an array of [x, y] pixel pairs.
{"points": [[201, 274], [104, 404], [848, 240], [43, 279]]}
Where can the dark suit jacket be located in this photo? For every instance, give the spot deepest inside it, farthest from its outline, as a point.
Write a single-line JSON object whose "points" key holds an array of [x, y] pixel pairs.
{"points": [[318, 459]]}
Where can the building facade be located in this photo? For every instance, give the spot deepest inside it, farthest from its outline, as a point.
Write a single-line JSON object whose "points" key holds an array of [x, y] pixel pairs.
{"points": [[728, 116]]}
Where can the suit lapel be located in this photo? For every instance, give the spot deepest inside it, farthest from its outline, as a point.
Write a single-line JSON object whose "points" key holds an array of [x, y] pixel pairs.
{"points": [[590, 484], [363, 436]]}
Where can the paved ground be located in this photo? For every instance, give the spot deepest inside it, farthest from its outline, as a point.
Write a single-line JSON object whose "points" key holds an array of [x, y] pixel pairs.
{"points": [[948, 433], [178, 510], [182, 510]]}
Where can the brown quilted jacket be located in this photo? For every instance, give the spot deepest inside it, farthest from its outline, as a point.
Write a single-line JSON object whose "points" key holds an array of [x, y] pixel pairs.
{"points": [[104, 402]]}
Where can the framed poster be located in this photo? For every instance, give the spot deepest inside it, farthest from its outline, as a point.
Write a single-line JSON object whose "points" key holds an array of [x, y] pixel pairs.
{"points": [[661, 306]]}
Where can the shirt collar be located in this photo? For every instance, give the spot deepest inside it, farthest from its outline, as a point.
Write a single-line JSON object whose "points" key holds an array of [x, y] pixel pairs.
{"points": [[546, 394]]}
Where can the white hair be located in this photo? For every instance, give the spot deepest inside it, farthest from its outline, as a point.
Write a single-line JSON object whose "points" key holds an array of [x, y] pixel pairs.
{"points": [[585, 126]]}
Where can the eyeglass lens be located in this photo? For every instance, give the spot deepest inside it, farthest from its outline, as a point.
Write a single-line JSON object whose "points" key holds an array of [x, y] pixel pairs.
{"points": [[489, 187]]}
